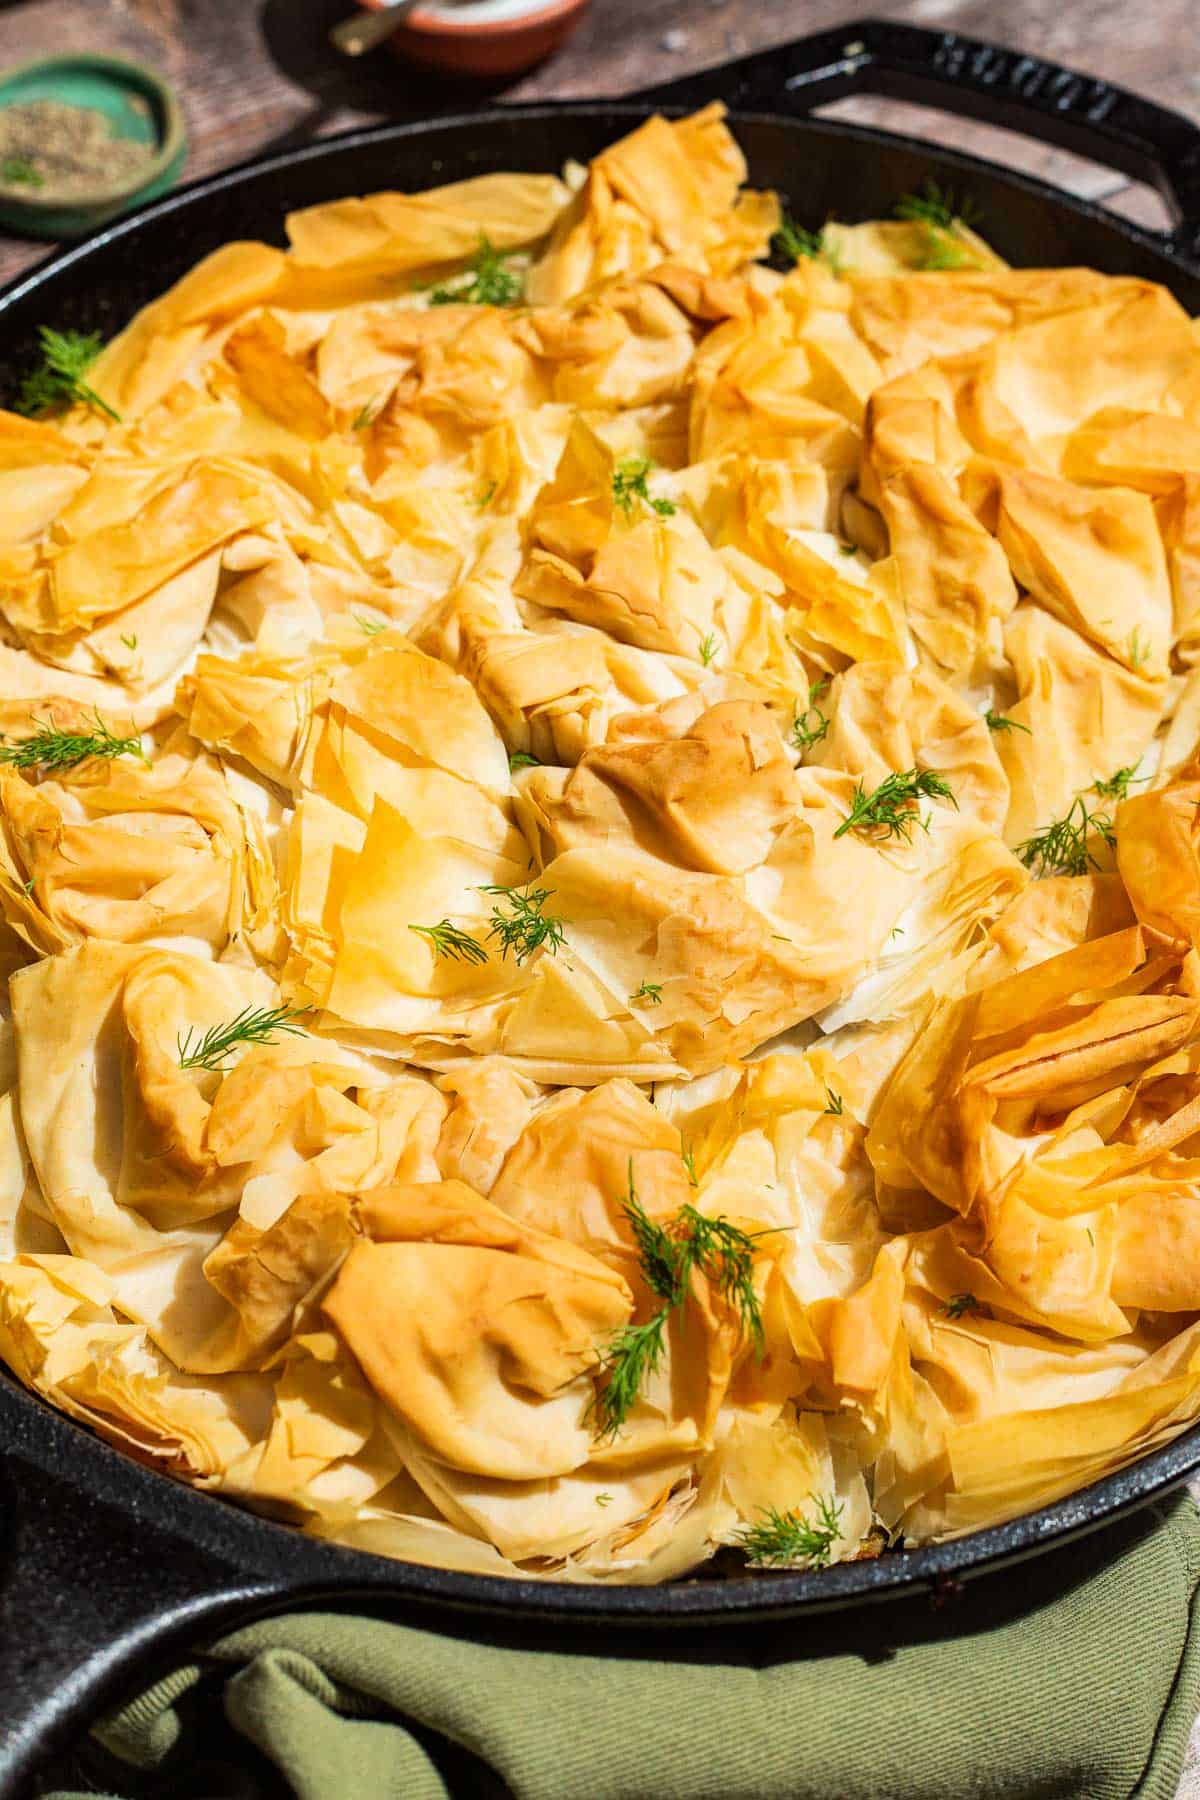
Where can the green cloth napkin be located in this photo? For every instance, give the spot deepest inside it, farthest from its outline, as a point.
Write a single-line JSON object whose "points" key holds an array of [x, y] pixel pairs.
{"points": [[1075, 1675]]}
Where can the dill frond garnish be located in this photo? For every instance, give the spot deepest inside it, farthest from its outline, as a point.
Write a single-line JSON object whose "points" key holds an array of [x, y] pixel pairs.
{"points": [[1139, 648], [893, 806], [372, 627], [834, 1103], [488, 282], [811, 725], [937, 206], [944, 251], [50, 748], [630, 1358], [796, 245], [940, 214], [603, 1499], [1064, 846], [58, 379], [629, 485], [688, 1158], [485, 496], [783, 1538], [958, 1304], [522, 759], [650, 992], [708, 649], [1116, 787], [1000, 722], [669, 1254], [129, 642], [253, 1025], [367, 414], [447, 940], [525, 926]]}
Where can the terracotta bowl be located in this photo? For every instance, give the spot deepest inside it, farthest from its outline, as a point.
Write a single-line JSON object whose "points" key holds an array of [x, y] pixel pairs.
{"points": [[484, 38]]}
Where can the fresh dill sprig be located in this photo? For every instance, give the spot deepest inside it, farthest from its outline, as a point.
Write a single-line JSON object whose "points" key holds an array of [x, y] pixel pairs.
{"points": [[893, 806], [650, 992], [20, 172], [603, 1499], [1063, 847], [367, 413], [944, 251], [631, 1356], [1116, 787], [796, 244], [525, 926], [129, 642], [253, 1025], [629, 485], [834, 1102], [709, 648], [669, 1254], [1000, 722], [58, 379], [688, 1158], [811, 725], [488, 282], [447, 940], [50, 748], [485, 496], [372, 627], [937, 206], [1139, 648], [522, 759], [783, 1538], [725, 1253], [958, 1304]]}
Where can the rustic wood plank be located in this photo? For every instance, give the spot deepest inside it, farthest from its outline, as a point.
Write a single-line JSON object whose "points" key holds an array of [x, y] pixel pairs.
{"points": [[249, 79]]}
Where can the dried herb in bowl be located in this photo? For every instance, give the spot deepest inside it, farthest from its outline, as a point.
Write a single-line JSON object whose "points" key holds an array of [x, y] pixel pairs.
{"points": [[59, 151]]}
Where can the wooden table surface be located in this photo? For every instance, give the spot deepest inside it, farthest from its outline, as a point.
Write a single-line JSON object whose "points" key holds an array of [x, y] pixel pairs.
{"points": [[254, 73]]}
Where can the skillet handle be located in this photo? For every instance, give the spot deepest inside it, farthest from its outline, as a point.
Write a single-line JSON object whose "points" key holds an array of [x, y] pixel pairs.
{"points": [[92, 1598], [978, 80]]}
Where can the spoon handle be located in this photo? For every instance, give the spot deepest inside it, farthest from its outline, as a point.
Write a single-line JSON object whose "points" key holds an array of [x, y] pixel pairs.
{"points": [[363, 30]]}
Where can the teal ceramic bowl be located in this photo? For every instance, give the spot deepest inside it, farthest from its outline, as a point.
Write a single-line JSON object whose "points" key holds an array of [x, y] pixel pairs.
{"points": [[138, 103]]}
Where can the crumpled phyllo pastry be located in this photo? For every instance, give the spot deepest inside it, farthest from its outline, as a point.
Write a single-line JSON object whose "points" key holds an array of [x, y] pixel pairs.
{"points": [[135, 854], [1094, 558], [479, 1332], [711, 798], [1099, 714], [116, 1127], [609, 558], [127, 551], [735, 961], [666, 190], [880, 718], [953, 578], [908, 318], [955, 1117], [370, 242]]}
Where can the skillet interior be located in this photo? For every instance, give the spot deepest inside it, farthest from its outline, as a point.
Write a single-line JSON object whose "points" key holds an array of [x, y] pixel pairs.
{"points": [[208, 1555]]}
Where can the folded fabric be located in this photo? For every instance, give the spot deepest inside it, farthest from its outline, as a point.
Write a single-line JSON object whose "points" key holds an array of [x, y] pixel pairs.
{"points": [[1076, 1675]]}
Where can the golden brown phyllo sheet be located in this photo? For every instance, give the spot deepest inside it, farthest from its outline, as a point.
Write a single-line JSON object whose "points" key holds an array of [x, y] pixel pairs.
{"points": [[600, 875]]}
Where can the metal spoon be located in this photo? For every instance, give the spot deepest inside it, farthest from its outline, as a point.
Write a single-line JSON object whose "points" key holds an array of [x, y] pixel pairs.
{"points": [[360, 33]]}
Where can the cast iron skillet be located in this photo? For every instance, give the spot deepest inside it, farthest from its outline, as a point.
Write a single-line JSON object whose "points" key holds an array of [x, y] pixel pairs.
{"points": [[107, 1565]]}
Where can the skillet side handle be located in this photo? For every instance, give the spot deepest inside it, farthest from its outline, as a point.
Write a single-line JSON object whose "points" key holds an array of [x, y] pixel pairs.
{"points": [[977, 80], [92, 1600]]}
